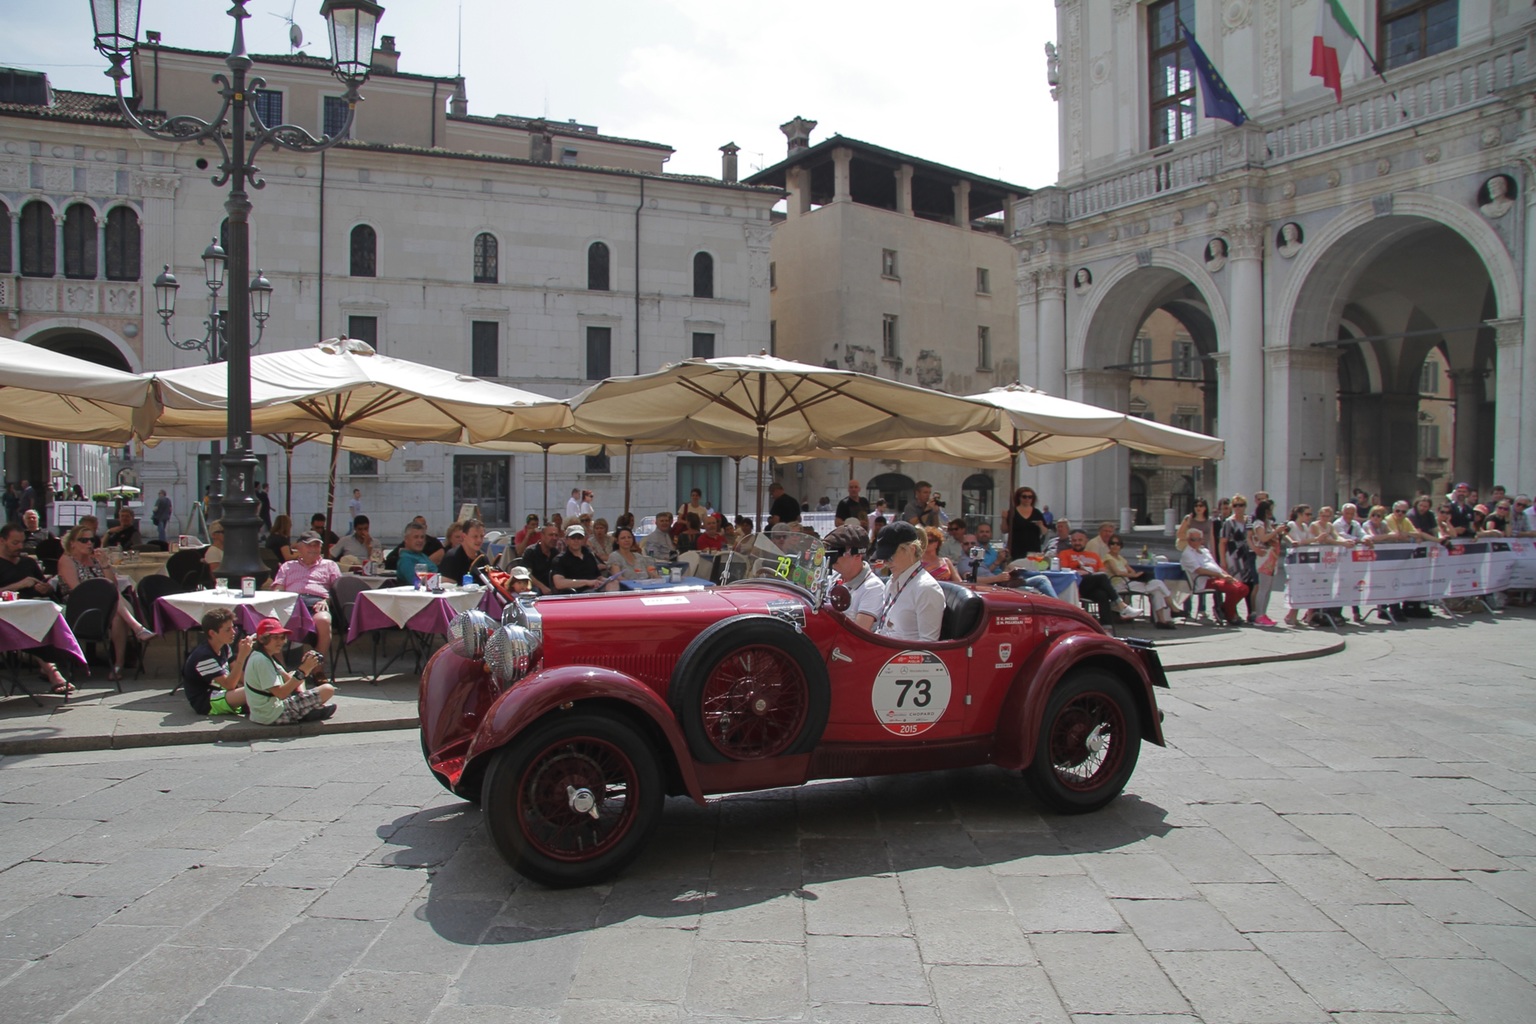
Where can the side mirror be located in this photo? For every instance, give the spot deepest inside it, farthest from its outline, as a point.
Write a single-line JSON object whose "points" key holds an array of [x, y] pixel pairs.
{"points": [[840, 598]]}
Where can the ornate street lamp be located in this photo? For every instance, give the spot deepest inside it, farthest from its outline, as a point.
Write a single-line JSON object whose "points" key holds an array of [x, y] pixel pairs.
{"points": [[239, 133]]}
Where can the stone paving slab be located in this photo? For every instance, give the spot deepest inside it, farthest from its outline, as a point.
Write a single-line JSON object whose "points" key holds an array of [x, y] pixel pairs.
{"points": [[148, 714]]}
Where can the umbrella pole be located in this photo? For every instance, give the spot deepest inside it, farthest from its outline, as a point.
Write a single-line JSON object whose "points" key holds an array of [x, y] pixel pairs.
{"points": [[736, 502], [288, 486], [546, 482], [758, 513], [330, 488], [629, 455]]}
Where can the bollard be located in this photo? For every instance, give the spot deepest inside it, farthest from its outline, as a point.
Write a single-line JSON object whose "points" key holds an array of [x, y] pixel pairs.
{"points": [[1170, 522]]}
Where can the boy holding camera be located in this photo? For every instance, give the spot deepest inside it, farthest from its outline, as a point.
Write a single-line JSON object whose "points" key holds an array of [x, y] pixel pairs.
{"points": [[278, 697]]}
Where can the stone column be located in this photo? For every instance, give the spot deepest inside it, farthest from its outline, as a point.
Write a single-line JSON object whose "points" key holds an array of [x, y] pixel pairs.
{"points": [[1523, 478], [13, 240], [1466, 398], [101, 248], [1301, 425], [1241, 401], [1511, 451], [58, 245], [798, 182], [841, 161], [963, 206], [1220, 482], [1050, 367], [904, 189]]}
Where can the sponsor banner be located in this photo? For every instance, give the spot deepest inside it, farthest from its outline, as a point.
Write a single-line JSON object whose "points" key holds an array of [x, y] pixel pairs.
{"points": [[1334, 577], [1312, 577], [1522, 572]]}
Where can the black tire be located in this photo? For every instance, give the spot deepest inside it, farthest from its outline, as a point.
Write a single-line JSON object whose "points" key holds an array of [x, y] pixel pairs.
{"points": [[1090, 737], [534, 784], [750, 688]]}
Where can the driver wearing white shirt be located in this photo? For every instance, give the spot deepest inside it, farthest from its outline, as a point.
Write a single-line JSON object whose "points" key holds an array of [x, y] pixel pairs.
{"points": [[913, 608], [846, 546]]}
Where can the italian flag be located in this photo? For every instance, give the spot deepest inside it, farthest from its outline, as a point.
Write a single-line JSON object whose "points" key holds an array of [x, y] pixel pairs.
{"points": [[1335, 36]]}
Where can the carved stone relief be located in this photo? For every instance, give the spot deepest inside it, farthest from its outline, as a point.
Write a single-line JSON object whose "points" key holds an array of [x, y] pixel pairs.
{"points": [[12, 176], [1432, 155], [1072, 53], [80, 298], [1235, 15], [1334, 177], [40, 296], [1099, 72], [1383, 167], [1288, 190], [1269, 52], [123, 299], [102, 181], [1490, 138], [59, 179], [157, 186]]}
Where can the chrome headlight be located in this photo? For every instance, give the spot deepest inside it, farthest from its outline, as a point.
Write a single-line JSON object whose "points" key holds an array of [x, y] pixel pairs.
{"points": [[468, 633], [511, 653], [525, 612]]}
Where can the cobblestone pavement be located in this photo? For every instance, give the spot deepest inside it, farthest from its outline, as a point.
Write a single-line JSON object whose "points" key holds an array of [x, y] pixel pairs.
{"points": [[1351, 839]]}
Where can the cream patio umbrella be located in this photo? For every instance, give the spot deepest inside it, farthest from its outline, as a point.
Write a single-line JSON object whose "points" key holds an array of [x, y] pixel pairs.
{"points": [[342, 388], [48, 396], [1041, 427], [758, 405]]}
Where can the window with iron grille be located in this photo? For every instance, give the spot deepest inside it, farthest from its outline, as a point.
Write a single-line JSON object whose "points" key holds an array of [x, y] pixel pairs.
{"points": [[599, 353], [1186, 361], [365, 244], [703, 275], [1173, 72], [39, 255], [598, 463], [123, 244], [1410, 30], [597, 267], [79, 242], [362, 465], [703, 345], [335, 116], [268, 104], [888, 339], [485, 258], [485, 348], [364, 328]]}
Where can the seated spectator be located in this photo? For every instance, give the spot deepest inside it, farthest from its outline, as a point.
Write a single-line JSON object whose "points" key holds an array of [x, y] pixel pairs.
{"points": [[359, 543], [1127, 579], [986, 565], [431, 546], [317, 526], [686, 535], [1099, 543], [469, 556], [280, 539], [451, 538], [576, 569], [215, 669], [519, 579], [845, 552], [1059, 541], [81, 562], [939, 567], [658, 543], [711, 539], [1200, 567], [21, 575], [540, 558], [310, 575], [276, 696], [1093, 582], [529, 534], [34, 532], [213, 554], [600, 540], [627, 560], [125, 534], [955, 542], [412, 553]]}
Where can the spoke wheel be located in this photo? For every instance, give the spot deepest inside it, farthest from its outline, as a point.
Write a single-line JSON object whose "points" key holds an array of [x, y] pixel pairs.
{"points": [[754, 703], [572, 801], [1089, 740], [750, 688]]}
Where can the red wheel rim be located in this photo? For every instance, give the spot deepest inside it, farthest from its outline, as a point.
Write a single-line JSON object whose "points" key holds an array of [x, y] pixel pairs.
{"points": [[565, 776], [755, 703], [1087, 741]]}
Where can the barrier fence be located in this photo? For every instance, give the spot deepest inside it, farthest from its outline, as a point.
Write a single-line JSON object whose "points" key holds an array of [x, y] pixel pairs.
{"points": [[1333, 577]]}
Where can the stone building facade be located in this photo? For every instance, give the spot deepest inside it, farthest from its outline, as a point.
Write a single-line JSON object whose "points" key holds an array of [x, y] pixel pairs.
{"points": [[1317, 255], [899, 267], [543, 254]]}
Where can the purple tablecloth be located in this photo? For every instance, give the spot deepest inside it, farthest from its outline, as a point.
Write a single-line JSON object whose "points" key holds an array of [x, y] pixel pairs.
{"points": [[60, 638], [416, 610], [248, 611]]}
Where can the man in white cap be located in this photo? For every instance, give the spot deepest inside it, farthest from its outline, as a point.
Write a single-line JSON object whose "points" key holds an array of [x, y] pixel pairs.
{"points": [[913, 607], [576, 567]]}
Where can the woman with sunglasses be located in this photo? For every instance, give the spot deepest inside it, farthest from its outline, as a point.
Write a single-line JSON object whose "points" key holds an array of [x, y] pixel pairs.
{"points": [[82, 561], [1026, 525], [938, 566], [1198, 519], [1127, 579]]}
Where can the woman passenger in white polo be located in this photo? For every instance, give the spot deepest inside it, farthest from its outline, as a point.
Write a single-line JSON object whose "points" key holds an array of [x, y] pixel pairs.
{"points": [[914, 602]]}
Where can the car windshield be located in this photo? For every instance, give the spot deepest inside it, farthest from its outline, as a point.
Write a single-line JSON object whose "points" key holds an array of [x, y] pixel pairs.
{"points": [[787, 554]]}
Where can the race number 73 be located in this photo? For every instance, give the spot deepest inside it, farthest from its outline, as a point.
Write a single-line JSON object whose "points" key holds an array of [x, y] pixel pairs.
{"points": [[920, 690], [910, 693]]}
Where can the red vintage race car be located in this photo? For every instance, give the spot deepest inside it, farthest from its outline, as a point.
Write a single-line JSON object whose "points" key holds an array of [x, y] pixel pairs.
{"points": [[572, 720]]}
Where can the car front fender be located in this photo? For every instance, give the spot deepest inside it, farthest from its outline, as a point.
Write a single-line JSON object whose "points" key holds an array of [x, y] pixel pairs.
{"points": [[571, 686], [1018, 724]]}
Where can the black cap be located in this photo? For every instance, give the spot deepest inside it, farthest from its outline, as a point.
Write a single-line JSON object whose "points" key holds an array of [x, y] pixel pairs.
{"points": [[845, 539], [893, 537]]}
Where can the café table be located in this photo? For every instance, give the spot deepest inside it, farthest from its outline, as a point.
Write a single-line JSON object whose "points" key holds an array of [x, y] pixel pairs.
{"points": [[421, 614], [139, 564], [27, 624], [185, 611], [1171, 573]]}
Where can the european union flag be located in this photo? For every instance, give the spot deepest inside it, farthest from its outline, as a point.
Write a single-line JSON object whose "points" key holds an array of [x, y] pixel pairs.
{"points": [[1219, 101]]}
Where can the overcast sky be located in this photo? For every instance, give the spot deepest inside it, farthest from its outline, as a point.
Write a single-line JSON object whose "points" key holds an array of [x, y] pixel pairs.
{"points": [[962, 85]]}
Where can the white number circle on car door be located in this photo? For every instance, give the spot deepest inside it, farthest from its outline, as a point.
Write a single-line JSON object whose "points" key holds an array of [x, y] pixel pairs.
{"points": [[910, 693]]}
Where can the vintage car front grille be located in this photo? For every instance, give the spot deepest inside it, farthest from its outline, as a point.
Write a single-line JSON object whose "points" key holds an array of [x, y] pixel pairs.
{"points": [[651, 669]]}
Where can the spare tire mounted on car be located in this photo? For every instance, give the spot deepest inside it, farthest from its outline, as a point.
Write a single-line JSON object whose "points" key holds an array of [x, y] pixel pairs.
{"points": [[748, 688]]}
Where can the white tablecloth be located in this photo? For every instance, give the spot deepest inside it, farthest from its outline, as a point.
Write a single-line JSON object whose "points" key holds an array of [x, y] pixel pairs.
{"points": [[402, 604], [34, 618]]}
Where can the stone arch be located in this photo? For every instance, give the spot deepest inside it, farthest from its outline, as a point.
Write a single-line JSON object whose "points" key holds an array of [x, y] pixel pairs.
{"points": [[1137, 287], [74, 337]]}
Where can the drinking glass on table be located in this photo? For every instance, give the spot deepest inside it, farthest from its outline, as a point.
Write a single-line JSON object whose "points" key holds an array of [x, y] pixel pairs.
{"points": [[424, 572]]}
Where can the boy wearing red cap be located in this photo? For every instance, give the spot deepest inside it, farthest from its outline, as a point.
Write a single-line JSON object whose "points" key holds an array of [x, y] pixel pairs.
{"points": [[278, 697]]}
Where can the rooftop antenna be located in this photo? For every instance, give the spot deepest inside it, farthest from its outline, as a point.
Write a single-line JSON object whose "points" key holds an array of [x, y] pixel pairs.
{"points": [[459, 71], [295, 34]]}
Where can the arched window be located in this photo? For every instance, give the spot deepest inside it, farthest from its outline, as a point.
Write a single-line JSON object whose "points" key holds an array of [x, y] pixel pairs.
{"points": [[976, 499], [5, 239], [365, 244], [79, 242], [38, 253], [122, 244], [485, 258], [896, 488], [703, 275], [597, 267]]}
